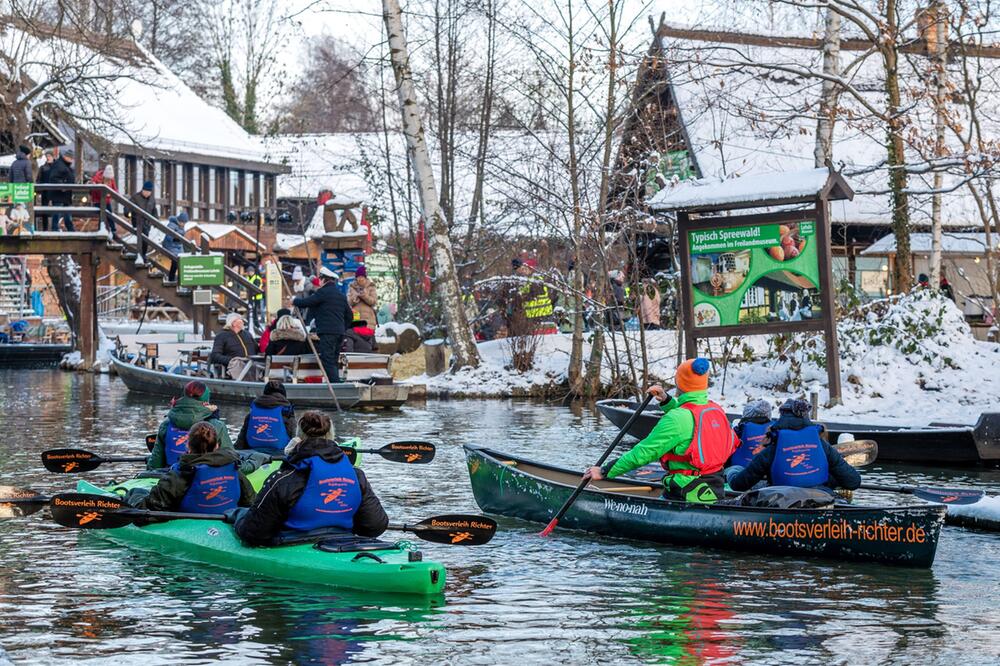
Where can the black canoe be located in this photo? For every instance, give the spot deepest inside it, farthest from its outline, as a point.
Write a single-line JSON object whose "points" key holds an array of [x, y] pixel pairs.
{"points": [[945, 445], [512, 486], [32, 354]]}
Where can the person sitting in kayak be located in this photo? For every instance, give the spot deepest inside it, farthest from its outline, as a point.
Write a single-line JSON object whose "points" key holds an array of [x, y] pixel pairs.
{"points": [[271, 421], [206, 479], [316, 488], [185, 411], [797, 454], [691, 440], [752, 431]]}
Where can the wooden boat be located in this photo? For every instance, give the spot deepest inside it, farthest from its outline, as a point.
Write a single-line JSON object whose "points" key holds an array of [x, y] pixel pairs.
{"points": [[932, 444], [351, 395], [516, 487]]}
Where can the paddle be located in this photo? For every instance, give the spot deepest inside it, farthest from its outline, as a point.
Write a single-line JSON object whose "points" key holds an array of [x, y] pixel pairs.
{"points": [[584, 481], [938, 495], [150, 442], [67, 461], [71, 461], [18, 502], [99, 512]]}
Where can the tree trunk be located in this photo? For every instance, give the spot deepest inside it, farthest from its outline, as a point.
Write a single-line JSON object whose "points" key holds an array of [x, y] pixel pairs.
{"points": [[939, 50], [903, 265], [446, 281], [65, 276], [575, 373], [828, 96]]}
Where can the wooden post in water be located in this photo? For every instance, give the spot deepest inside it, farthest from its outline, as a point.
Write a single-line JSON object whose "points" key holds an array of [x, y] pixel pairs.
{"points": [[434, 357], [88, 310]]}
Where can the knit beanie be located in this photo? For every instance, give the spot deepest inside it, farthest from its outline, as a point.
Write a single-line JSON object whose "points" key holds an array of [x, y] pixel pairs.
{"points": [[799, 408], [196, 390], [757, 409], [274, 386], [692, 375]]}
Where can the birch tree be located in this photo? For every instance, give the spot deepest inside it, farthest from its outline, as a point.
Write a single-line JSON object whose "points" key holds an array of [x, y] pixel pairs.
{"points": [[446, 285]]}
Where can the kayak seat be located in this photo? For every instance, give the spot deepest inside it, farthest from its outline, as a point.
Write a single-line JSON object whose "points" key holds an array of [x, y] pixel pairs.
{"points": [[787, 497]]}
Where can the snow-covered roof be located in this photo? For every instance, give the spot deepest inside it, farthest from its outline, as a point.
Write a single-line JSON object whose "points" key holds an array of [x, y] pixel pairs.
{"points": [[712, 192], [152, 108], [952, 242], [215, 231], [746, 110]]}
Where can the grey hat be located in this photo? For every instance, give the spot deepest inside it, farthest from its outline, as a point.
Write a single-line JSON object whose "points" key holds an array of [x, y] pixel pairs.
{"points": [[757, 409], [69, 152], [799, 408]]}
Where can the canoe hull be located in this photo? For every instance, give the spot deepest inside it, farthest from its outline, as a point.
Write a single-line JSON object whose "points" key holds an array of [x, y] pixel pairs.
{"points": [[898, 536], [349, 394], [216, 543], [960, 446]]}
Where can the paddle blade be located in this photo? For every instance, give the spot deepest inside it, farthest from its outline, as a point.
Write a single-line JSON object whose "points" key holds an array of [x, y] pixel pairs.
{"points": [[17, 502], [548, 528], [352, 454], [859, 452], [948, 495], [150, 441], [411, 453], [70, 461], [91, 512], [455, 529]]}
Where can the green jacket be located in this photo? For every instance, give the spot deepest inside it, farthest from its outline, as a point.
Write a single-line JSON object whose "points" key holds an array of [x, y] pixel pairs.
{"points": [[184, 414], [167, 494], [672, 434]]}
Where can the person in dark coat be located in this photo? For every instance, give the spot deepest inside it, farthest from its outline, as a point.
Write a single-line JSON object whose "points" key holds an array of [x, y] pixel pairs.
{"points": [[203, 466], [62, 173], [315, 472], [173, 245], [273, 398], [794, 420], [359, 339], [233, 342], [144, 200], [41, 179], [328, 307], [20, 169]]}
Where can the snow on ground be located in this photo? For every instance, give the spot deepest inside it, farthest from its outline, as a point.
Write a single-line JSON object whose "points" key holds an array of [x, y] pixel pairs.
{"points": [[910, 363], [986, 510]]}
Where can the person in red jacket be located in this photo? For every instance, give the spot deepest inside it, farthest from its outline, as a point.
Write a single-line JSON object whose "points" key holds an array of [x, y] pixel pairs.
{"points": [[99, 197]]}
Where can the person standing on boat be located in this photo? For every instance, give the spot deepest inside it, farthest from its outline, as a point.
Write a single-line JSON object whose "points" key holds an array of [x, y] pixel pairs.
{"points": [[316, 488], [271, 422], [233, 343], [797, 454], [206, 479], [691, 440], [172, 437], [752, 431], [328, 307]]}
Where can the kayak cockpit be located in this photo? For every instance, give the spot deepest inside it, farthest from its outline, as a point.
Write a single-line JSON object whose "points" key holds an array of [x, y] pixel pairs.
{"points": [[619, 487]]}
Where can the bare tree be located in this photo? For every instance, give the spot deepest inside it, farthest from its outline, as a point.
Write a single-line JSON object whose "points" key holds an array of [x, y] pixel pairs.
{"points": [[464, 349]]}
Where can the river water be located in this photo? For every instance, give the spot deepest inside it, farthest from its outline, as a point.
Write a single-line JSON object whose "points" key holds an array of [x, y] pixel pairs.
{"points": [[68, 597]]}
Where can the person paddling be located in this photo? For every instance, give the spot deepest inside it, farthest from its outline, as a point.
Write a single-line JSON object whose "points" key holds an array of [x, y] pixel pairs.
{"points": [[185, 411], [271, 421], [797, 454], [752, 432], [206, 479], [692, 440], [316, 488]]}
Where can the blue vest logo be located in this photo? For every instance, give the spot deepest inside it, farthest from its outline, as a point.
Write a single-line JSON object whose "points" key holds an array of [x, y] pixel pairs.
{"points": [[175, 443], [212, 489], [799, 459], [266, 428], [331, 496]]}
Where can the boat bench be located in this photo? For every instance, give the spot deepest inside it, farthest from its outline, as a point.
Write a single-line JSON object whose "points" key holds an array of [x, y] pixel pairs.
{"points": [[303, 368]]}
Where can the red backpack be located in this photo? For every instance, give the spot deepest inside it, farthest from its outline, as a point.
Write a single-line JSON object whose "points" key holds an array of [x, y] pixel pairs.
{"points": [[712, 444]]}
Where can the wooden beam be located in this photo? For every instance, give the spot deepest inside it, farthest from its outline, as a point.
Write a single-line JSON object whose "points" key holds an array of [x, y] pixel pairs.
{"points": [[88, 310]]}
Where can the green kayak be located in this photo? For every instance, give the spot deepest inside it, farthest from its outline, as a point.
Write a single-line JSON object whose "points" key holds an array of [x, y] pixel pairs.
{"points": [[386, 570]]}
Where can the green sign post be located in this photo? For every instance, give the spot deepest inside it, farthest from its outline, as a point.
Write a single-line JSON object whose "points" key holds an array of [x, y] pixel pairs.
{"points": [[201, 270], [754, 273]]}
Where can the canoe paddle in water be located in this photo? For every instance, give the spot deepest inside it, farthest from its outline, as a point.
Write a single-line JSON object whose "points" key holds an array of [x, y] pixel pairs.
{"points": [[18, 502], [600, 461], [98, 512], [937, 495]]}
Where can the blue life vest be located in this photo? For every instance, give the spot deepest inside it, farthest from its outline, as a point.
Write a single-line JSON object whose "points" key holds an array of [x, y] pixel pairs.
{"points": [[266, 427], [753, 439], [331, 498], [799, 459], [212, 489], [175, 443]]}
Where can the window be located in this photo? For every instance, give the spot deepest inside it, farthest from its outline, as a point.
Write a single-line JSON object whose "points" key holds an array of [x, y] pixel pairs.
{"points": [[248, 190]]}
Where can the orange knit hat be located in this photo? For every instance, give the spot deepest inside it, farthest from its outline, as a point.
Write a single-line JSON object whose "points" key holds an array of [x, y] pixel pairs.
{"points": [[692, 375]]}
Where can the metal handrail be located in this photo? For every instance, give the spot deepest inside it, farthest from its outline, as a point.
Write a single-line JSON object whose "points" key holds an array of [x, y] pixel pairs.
{"points": [[127, 203]]}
